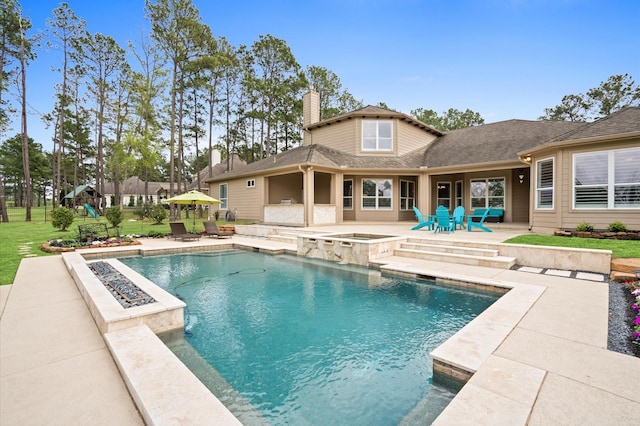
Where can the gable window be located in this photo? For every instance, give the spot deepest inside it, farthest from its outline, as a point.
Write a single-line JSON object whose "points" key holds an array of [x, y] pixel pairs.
{"points": [[444, 194], [544, 184], [347, 194], [251, 183], [487, 193], [376, 135], [607, 179], [223, 196], [376, 194], [459, 193], [407, 194]]}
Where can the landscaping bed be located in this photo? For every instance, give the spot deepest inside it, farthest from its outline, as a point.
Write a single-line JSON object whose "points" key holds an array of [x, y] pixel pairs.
{"points": [[599, 234]]}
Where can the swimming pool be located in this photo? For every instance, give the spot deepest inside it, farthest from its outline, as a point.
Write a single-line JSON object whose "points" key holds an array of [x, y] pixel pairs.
{"points": [[312, 342]]}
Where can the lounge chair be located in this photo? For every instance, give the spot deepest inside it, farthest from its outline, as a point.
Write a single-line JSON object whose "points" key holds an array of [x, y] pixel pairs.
{"points": [[443, 221], [428, 221], [458, 218], [179, 232], [212, 230], [480, 221]]}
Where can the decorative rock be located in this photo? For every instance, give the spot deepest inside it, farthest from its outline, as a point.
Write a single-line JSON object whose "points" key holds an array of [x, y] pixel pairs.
{"points": [[621, 277], [628, 266], [561, 233]]}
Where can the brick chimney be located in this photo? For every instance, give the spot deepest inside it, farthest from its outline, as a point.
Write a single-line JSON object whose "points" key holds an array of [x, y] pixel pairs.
{"points": [[310, 112]]}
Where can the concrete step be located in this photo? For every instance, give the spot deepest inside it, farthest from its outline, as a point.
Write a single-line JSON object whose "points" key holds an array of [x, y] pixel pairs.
{"points": [[461, 243], [455, 249], [500, 262], [283, 238]]}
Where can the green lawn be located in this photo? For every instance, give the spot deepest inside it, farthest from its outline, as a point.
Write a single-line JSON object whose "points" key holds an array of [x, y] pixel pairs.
{"points": [[19, 239], [619, 248]]}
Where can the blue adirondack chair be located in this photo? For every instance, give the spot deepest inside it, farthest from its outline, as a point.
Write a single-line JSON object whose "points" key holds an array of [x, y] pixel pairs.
{"points": [[458, 218], [480, 223], [428, 221], [443, 222]]}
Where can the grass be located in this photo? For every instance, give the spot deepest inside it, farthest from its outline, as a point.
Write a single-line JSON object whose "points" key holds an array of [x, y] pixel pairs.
{"points": [[20, 239], [619, 248]]}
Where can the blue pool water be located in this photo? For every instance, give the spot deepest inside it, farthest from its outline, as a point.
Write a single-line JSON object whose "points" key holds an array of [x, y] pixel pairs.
{"points": [[312, 342]]}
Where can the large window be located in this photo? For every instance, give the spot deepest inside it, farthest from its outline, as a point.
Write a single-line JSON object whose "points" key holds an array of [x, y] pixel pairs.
{"points": [[223, 196], [487, 193], [347, 194], [376, 194], [407, 194], [376, 135], [607, 179], [544, 184], [444, 194]]}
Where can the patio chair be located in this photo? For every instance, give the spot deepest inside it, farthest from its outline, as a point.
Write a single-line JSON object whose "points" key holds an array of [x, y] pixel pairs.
{"points": [[443, 222], [212, 230], [458, 218], [428, 221], [179, 232], [480, 223]]}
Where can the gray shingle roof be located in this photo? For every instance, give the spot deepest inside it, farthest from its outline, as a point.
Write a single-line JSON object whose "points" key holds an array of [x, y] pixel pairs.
{"points": [[492, 142], [626, 120]]}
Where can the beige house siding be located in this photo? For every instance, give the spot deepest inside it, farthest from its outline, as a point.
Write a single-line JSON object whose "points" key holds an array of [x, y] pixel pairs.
{"points": [[322, 188], [412, 137], [520, 196], [341, 136], [566, 216], [247, 201], [285, 187]]}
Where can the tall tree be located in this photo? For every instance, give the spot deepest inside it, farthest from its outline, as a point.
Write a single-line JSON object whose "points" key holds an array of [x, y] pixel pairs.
{"points": [[617, 92], [64, 31], [275, 67], [333, 99], [10, 21], [25, 55], [175, 24]]}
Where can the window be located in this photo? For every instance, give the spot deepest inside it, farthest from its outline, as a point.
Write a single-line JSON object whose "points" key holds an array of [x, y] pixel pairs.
{"points": [[607, 179], [444, 194], [487, 193], [459, 193], [376, 194], [376, 135], [544, 184], [251, 183], [407, 194], [223, 196], [347, 194]]}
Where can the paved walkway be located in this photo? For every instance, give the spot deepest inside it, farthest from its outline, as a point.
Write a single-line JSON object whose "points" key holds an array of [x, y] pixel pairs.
{"points": [[553, 367]]}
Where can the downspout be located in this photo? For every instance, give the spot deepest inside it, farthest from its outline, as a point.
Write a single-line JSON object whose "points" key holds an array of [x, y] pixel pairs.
{"points": [[304, 190]]}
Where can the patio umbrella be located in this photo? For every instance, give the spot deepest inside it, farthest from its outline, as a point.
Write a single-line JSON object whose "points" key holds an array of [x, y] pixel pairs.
{"points": [[193, 197]]}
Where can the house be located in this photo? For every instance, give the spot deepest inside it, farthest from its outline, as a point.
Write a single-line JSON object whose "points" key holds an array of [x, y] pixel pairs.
{"points": [[375, 165], [133, 189]]}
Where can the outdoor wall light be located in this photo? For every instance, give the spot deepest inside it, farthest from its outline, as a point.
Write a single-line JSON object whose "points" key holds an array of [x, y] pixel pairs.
{"points": [[521, 175]]}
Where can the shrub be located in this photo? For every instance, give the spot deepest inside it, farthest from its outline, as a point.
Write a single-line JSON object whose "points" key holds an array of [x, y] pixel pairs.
{"points": [[114, 216], [158, 213], [617, 226], [61, 218], [216, 214], [131, 200], [584, 227], [142, 211], [155, 234]]}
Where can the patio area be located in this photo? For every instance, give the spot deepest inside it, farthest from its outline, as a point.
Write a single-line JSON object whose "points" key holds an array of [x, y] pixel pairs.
{"points": [[541, 357]]}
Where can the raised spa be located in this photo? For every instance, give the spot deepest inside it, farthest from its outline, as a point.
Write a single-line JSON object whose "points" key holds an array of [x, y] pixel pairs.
{"points": [[355, 248]]}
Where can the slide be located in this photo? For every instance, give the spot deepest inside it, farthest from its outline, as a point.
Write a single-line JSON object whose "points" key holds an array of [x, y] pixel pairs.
{"points": [[91, 211]]}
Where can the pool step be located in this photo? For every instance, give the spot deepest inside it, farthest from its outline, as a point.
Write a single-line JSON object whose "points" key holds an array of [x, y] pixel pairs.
{"points": [[454, 249], [478, 259], [284, 238]]}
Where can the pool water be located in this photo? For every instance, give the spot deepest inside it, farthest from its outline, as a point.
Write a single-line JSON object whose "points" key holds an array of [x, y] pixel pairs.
{"points": [[313, 342]]}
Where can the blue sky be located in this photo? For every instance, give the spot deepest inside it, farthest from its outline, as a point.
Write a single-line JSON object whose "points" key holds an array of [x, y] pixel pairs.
{"points": [[504, 59]]}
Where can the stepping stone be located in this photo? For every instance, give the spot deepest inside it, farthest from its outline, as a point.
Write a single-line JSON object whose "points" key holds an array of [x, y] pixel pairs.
{"points": [[589, 276], [558, 273], [530, 269]]}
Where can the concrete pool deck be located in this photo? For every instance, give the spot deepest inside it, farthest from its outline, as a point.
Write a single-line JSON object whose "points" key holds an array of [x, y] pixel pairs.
{"points": [[552, 367]]}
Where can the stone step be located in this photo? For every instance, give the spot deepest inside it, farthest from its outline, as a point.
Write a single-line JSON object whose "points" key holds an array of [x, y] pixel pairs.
{"points": [[475, 244], [500, 262], [473, 251], [283, 238]]}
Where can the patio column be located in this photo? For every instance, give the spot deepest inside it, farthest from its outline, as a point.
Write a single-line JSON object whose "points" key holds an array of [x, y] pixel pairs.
{"points": [[337, 187], [309, 198]]}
